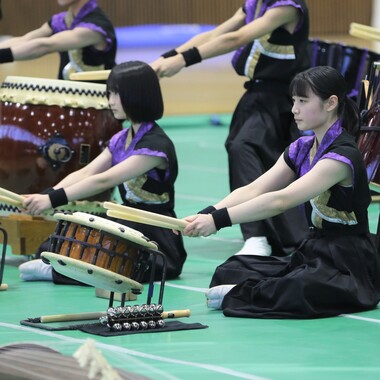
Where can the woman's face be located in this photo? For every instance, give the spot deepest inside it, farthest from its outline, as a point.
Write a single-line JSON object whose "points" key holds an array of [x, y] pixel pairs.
{"points": [[309, 112], [116, 106]]}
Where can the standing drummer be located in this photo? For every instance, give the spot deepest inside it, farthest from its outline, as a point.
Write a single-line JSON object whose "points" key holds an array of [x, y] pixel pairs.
{"points": [[270, 40], [83, 36]]}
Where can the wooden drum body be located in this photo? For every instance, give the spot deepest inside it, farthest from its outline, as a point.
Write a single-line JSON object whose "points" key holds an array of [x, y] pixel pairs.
{"points": [[99, 252], [50, 128]]}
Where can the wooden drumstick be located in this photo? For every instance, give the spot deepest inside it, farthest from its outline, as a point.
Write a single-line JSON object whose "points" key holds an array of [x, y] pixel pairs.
{"points": [[365, 28], [176, 314], [142, 219], [12, 195], [165, 221], [96, 315], [10, 201], [90, 75], [365, 33], [70, 317]]}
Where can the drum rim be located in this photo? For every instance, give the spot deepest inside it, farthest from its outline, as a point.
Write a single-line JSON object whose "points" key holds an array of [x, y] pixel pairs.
{"points": [[110, 226], [115, 282], [54, 92]]}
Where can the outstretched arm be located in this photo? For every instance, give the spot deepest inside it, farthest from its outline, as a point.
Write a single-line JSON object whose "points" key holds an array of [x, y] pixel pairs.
{"points": [[31, 48], [322, 177], [100, 176], [228, 37], [43, 31]]}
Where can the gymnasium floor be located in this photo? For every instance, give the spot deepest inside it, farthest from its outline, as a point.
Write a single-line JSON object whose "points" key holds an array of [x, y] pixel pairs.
{"points": [[198, 107], [345, 347]]}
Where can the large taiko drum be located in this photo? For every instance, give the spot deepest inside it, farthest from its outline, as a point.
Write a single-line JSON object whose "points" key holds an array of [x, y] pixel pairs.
{"points": [[369, 138], [49, 128], [352, 62], [99, 252]]}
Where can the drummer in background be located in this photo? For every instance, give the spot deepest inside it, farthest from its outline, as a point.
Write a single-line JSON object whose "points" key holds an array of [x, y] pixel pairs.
{"points": [[270, 40], [141, 160], [83, 36]]}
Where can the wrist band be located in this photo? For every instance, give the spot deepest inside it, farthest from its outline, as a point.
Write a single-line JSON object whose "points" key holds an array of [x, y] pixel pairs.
{"points": [[47, 190], [170, 53], [191, 56], [221, 218], [6, 55], [207, 210], [58, 198]]}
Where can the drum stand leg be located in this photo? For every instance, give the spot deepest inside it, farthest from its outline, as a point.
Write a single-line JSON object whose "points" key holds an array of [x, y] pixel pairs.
{"points": [[153, 256], [2, 264]]}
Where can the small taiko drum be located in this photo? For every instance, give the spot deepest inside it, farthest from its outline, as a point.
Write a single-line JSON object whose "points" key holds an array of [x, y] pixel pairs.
{"points": [[99, 252], [369, 138], [50, 128]]}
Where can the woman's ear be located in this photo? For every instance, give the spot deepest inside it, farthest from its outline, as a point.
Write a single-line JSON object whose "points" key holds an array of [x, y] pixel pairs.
{"points": [[332, 102]]}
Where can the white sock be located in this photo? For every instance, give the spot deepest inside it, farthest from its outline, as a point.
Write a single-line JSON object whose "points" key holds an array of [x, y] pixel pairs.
{"points": [[215, 295], [36, 270], [257, 245]]}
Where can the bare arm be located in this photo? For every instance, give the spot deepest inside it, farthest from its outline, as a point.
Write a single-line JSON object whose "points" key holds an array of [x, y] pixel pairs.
{"points": [[63, 41], [43, 31], [98, 177], [225, 39], [322, 177]]}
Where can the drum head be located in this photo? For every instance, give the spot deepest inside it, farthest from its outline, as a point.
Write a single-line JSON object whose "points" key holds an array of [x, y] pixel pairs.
{"points": [[91, 274]]}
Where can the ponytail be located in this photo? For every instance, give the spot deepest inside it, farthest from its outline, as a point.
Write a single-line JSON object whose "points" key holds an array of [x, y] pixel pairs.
{"points": [[350, 117]]}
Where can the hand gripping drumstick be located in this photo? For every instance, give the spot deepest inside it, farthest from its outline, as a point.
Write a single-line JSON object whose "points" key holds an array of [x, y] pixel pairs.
{"points": [[90, 75], [96, 315], [145, 217]]}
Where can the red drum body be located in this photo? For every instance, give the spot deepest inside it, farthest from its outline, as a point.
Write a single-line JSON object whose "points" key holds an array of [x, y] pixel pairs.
{"points": [[50, 128], [92, 249]]}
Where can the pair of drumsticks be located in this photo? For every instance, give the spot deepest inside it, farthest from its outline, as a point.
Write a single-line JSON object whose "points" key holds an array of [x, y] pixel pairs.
{"points": [[11, 198], [114, 210]]}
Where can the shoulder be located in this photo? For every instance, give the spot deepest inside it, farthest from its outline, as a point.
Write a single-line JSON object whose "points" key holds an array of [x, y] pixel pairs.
{"points": [[117, 138], [345, 144], [157, 135]]}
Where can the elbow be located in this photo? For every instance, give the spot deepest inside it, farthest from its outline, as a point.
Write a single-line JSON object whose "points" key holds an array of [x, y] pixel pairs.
{"points": [[281, 204], [233, 40]]}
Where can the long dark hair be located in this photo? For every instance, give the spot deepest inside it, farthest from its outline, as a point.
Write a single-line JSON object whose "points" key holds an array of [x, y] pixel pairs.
{"points": [[139, 89], [325, 81]]}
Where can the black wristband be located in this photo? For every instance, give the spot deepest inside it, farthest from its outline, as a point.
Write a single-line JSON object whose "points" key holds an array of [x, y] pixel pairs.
{"points": [[58, 198], [6, 55], [47, 190], [191, 56], [221, 218], [207, 210], [170, 53]]}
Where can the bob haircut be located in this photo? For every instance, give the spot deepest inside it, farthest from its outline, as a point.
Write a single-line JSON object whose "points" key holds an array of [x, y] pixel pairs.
{"points": [[139, 89]]}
